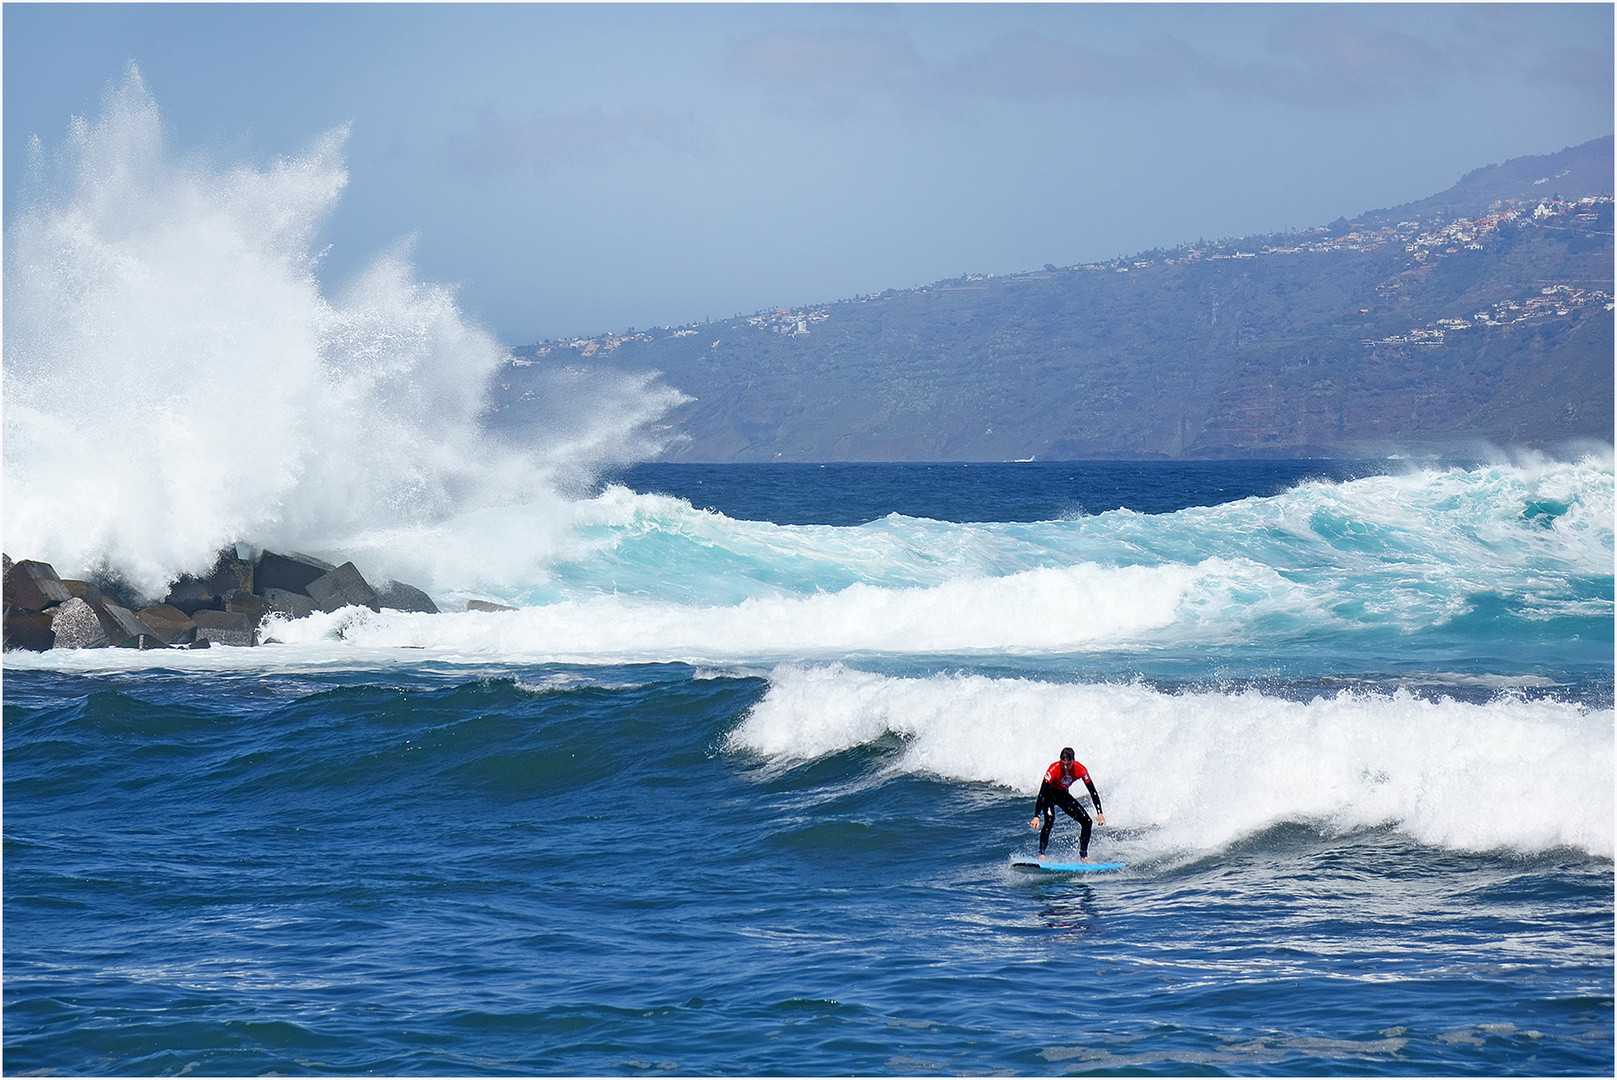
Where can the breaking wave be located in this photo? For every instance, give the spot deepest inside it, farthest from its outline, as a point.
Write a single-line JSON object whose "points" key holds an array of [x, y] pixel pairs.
{"points": [[1197, 771], [1500, 556], [1495, 561]]}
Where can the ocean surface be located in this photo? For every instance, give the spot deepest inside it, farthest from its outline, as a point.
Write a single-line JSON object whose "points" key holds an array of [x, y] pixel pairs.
{"points": [[738, 787]]}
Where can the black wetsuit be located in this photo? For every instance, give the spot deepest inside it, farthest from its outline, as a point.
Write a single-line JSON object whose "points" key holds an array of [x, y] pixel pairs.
{"points": [[1053, 793]]}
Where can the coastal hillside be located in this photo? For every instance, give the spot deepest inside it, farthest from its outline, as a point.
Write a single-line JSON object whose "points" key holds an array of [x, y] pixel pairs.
{"points": [[1483, 313]]}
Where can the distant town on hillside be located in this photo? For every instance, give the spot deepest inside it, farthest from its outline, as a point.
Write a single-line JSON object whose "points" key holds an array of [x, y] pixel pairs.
{"points": [[1481, 314]]}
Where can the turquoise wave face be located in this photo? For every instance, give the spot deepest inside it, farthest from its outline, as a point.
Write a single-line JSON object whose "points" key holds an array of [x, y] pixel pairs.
{"points": [[1497, 571], [1508, 554], [1493, 523]]}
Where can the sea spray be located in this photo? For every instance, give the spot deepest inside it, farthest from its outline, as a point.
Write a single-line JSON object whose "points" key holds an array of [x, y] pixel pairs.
{"points": [[176, 380]]}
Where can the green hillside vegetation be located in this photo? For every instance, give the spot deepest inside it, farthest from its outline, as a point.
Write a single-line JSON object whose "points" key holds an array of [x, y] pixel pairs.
{"points": [[1481, 314]]}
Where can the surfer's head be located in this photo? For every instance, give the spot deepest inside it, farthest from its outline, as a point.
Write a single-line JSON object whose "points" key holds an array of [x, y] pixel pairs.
{"points": [[1067, 755]]}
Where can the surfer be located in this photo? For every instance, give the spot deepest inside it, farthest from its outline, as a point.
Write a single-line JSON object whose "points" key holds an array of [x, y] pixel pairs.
{"points": [[1053, 793]]}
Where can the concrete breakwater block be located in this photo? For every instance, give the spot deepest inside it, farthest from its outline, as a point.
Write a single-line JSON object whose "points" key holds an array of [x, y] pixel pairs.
{"points": [[297, 585], [34, 586], [169, 625], [291, 573], [401, 597], [123, 627], [88, 591], [219, 608], [231, 573], [77, 626], [29, 630], [246, 603], [290, 603], [191, 593], [226, 627], [340, 588]]}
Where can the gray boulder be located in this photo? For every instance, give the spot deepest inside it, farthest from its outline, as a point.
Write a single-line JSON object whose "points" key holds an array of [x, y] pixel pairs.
{"points": [[340, 588], [34, 586], [226, 627], [486, 605], [401, 597], [77, 626]]}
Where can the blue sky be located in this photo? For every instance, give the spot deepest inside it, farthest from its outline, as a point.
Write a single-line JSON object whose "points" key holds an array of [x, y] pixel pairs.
{"points": [[574, 169]]}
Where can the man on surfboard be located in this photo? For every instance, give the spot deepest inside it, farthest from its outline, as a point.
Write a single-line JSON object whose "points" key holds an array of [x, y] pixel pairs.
{"points": [[1053, 793]]}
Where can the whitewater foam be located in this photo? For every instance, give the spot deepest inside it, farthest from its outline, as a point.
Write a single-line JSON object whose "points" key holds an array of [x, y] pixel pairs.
{"points": [[1053, 610], [1197, 771]]}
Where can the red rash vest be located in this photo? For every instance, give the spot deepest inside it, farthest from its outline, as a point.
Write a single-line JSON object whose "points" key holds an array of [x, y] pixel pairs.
{"points": [[1054, 779], [1052, 775]]}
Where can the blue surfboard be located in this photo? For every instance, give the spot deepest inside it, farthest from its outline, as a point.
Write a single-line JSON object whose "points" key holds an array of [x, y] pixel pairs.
{"points": [[1066, 868]]}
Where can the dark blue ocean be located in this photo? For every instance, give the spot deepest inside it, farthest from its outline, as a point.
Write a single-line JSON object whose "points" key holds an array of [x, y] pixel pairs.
{"points": [[737, 788]]}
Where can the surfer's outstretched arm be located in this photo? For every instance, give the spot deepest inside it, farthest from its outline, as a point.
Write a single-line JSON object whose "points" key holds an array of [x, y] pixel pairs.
{"points": [[1094, 797]]}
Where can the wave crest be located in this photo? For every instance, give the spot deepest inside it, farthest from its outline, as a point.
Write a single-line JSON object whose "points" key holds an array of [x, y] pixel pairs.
{"points": [[1197, 771]]}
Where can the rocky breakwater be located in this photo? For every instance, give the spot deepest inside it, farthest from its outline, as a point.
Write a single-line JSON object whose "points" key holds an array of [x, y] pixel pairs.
{"points": [[223, 607]]}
